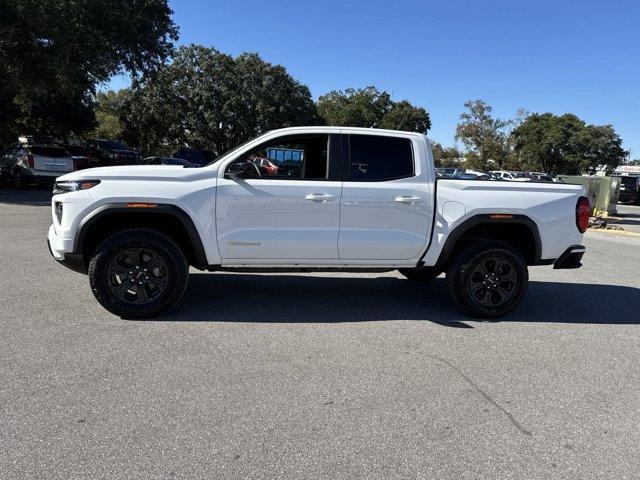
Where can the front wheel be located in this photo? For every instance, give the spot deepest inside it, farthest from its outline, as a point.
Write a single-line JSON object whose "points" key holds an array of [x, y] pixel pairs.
{"points": [[138, 273], [488, 279]]}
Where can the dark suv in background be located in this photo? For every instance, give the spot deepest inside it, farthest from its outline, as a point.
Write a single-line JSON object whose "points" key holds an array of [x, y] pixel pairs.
{"points": [[110, 152], [629, 189], [197, 158]]}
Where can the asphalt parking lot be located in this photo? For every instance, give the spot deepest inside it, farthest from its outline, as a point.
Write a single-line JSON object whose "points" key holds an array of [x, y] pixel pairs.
{"points": [[316, 375]]}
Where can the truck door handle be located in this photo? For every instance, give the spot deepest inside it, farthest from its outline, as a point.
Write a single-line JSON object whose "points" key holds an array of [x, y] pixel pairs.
{"points": [[319, 197], [408, 199]]}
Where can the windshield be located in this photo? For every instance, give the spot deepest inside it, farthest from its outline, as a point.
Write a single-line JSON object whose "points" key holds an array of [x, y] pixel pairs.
{"points": [[75, 149], [112, 145], [52, 152], [628, 181]]}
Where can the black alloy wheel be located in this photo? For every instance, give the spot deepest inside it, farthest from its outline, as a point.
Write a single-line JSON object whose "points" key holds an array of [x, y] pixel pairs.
{"points": [[137, 276], [493, 282], [138, 273], [487, 279]]}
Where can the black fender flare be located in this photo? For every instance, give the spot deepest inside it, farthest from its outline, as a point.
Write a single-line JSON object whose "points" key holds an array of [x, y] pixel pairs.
{"points": [[494, 219], [158, 208]]}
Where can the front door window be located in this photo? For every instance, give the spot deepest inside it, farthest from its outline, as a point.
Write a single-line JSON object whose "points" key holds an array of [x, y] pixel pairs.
{"points": [[290, 158]]}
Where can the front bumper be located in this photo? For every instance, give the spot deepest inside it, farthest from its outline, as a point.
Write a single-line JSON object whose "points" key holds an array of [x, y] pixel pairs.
{"points": [[61, 250], [571, 258]]}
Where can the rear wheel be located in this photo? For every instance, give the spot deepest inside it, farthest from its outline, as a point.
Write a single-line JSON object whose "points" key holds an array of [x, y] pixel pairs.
{"points": [[488, 279], [424, 274], [18, 179], [138, 273]]}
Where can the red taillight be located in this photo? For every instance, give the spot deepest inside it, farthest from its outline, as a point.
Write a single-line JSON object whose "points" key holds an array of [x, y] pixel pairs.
{"points": [[583, 212], [30, 161], [80, 163]]}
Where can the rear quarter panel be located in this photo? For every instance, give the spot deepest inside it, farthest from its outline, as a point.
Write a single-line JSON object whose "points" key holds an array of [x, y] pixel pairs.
{"points": [[550, 206]]}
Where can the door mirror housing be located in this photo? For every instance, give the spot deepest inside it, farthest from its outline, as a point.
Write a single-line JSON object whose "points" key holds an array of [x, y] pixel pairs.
{"points": [[243, 170]]}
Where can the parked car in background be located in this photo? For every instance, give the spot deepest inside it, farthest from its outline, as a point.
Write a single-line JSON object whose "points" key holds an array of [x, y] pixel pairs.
{"points": [[471, 175], [110, 152], [629, 189], [540, 177], [512, 176], [32, 164], [447, 172], [267, 166], [477, 174], [79, 154], [197, 158], [166, 161], [462, 174]]}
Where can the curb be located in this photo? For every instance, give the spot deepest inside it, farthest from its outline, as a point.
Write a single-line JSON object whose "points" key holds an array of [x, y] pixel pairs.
{"points": [[622, 233]]}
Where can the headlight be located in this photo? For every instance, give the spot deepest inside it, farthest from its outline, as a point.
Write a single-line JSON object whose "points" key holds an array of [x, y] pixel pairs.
{"points": [[73, 186]]}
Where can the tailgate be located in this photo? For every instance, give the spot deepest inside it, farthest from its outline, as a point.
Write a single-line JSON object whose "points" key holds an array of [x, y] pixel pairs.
{"points": [[52, 159]]}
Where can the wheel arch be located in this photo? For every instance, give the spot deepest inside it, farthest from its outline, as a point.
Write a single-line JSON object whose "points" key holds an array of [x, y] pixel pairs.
{"points": [[166, 218], [519, 231]]}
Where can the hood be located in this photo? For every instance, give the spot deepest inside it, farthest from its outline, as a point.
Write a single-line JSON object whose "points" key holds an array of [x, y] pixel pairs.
{"points": [[135, 172]]}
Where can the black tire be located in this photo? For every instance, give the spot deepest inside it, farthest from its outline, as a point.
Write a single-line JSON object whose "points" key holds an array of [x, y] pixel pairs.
{"points": [[474, 283], [18, 180], [138, 273], [423, 275]]}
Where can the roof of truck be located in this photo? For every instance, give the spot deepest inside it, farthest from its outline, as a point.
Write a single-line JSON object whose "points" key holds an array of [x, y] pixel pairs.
{"points": [[334, 129]]}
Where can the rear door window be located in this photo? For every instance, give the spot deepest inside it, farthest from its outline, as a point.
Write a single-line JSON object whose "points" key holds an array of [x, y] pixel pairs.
{"points": [[52, 152], [75, 150], [374, 158]]}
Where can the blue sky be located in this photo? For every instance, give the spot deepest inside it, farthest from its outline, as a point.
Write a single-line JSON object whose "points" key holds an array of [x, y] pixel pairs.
{"points": [[557, 56]]}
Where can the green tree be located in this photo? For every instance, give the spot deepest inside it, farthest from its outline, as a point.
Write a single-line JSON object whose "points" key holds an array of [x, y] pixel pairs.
{"points": [[54, 53], [566, 144], [597, 145], [109, 107], [370, 108], [210, 100], [404, 116], [485, 137], [445, 157]]}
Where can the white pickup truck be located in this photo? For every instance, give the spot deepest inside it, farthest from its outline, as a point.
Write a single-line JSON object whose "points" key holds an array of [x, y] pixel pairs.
{"points": [[311, 199]]}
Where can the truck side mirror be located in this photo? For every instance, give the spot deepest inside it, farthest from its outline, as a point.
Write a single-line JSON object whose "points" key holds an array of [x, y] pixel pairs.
{"points": [[242, 170]]}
